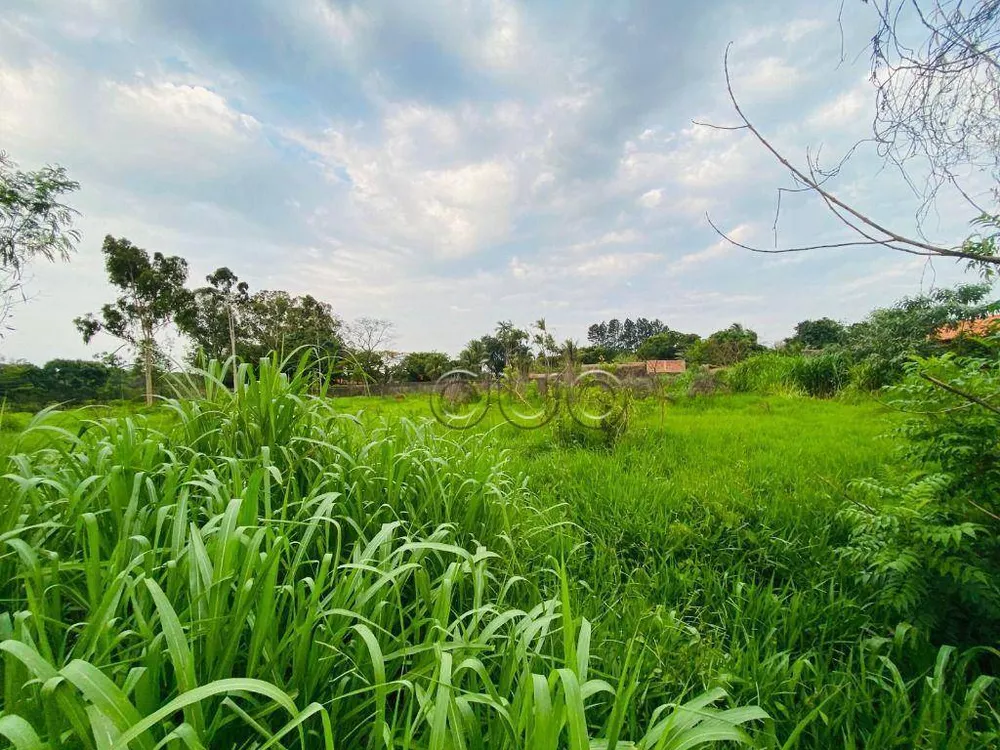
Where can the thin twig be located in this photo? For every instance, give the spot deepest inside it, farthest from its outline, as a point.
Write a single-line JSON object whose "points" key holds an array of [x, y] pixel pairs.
{"points": [[958, 392]]}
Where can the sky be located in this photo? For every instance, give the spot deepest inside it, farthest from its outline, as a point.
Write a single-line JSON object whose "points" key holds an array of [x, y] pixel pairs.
{"points": [[446, 165]]}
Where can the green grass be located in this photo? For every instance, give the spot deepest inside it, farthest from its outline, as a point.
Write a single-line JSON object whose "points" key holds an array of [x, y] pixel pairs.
{"points": [[266, 569]]}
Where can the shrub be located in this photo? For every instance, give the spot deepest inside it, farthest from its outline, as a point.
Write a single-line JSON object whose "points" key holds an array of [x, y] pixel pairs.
{"points": [[822, 375], [928, 540], [611, 410], [763, 373], [705, 383]]}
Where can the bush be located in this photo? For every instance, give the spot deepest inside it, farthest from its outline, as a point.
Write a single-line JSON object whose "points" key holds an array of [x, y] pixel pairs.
{"points": [[763, 373], [822, 375], [926, 541], [572, 426], [705, 383]]}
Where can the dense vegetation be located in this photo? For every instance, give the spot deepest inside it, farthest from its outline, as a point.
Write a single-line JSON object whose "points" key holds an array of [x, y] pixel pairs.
{"points": [[250, 563]]}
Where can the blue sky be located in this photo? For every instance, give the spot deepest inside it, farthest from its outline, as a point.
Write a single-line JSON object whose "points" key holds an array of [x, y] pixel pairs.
{"points": [[449, 164]]}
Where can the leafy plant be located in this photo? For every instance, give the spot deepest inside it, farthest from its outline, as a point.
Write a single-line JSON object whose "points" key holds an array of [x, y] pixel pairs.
{"points": [[926, 541], [261, 569]]}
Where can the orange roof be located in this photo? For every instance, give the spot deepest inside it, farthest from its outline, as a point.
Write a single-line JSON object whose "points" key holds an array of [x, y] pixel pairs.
{"points": [[980, 327]]}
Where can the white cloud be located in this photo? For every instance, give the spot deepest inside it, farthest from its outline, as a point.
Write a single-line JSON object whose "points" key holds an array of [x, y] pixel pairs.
{"points": [[615, 264], [719, 249], [800, 28], [181, 107], [766, 77], [617, 237], [651, 198], [790, 33], [344, 25], [899, 274], [29, 100], [843, 111], [502, 43]]}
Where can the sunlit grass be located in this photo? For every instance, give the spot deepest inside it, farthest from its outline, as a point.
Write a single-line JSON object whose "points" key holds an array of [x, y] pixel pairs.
{"points": [[268, 569]]}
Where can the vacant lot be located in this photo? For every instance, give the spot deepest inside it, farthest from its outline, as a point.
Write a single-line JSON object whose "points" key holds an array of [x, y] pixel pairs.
{"points": [[227, 570]]}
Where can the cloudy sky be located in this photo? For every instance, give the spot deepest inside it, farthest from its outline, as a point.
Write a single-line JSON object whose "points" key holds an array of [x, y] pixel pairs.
{"points": [[450, 164]]}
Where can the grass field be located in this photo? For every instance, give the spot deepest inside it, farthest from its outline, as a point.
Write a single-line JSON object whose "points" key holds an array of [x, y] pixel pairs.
{"points": [[276, 569]]}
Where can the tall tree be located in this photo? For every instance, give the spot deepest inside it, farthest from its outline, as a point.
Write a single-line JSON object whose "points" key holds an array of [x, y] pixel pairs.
{"points": [[422, 367], [597, 334], [817, 334], [216, 317], [666, 345], [152, 296], [506, 347], [33, 224], [369, 341], [888, 337], [474, 356], [725, 347], [278, 322]]}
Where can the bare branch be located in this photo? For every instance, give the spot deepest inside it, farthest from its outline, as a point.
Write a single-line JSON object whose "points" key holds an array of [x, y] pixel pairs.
{"points": [[873, 232]]}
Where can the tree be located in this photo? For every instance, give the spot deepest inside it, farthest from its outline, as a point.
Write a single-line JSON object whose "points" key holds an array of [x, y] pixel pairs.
{"points": [[368, 341], [817, 334], [545, 342], [597, 334], [936, 102], [666, 345], [506, 347], [217, 315], [592, 355], [33, 224], [937, 95], [422, 367], [510, 348], [616, 337], [570, 351], [152, 296], [474, 356], [275, 321], [74, 379], [725, 347], [885, 341]]}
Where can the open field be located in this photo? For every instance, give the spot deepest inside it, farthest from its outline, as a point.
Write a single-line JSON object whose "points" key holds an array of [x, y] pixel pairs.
{"points": [[351, 574]]}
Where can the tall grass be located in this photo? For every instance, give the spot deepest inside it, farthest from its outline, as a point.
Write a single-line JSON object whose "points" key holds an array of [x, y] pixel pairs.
{"points": [[263, 571]]}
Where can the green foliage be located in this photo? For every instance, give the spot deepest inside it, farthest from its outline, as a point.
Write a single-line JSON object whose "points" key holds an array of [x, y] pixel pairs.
{"points": [[33, 223], [766, 373], [818, 334], [225, 317], [30, 388], [215, 321], [278, 322], [927, 540], [594, 418], [725, 347], [616, 337], [506, 347], [822, 375], [666, 345], [152, 295], [985, 243], [262, 568], [881, 345], [592, 355], [422, 367]]}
